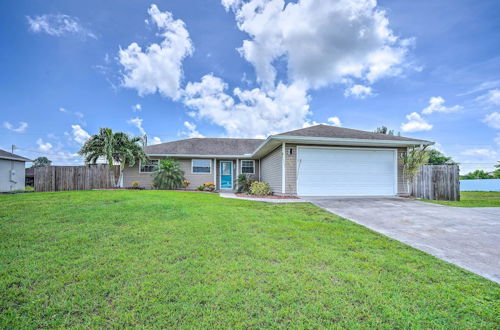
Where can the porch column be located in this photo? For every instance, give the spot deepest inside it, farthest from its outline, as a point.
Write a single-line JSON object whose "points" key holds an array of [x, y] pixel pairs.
{"points": [[215, 173], [237, 173], [283, 151]]}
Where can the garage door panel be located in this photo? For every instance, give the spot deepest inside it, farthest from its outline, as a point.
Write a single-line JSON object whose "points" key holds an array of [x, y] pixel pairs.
{"points": [[345, 172]]}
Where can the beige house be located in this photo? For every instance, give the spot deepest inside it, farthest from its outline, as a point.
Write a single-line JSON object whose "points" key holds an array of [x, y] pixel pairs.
{"points": [[319, 160]]}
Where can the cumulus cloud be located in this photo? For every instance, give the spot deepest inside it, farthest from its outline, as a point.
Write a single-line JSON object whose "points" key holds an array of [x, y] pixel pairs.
{"points": [[436, 104], [191, 132], [158, 68], [482, 153], [79, 134], [248, 113], [19, 129], [58, 25], [156, 140], [415, 123], [491, 98], [335, 121], [322, 41], [43, 146], [493, 120], [358, 91], [137, 107], [137, 122]]}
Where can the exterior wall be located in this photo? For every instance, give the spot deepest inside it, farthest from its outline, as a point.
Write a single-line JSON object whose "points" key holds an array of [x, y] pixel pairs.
{"points": [[131, 174], [5, 166], [271, 170], [291, 170]]}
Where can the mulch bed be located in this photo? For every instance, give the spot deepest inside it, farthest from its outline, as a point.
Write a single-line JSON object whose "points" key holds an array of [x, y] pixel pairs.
{"points": [[267, 196]]}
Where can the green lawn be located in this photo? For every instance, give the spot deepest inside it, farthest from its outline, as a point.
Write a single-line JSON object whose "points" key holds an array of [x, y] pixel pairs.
{"points": [[193, 260], [474, 199]]}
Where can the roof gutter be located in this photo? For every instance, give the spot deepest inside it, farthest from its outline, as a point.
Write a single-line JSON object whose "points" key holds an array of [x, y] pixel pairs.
{"points": [[199, 156], [16, 159]]}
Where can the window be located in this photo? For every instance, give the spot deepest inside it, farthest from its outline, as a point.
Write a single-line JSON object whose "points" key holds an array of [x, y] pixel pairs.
{"points": [[248, 166], [201, 166], [150, 166]]}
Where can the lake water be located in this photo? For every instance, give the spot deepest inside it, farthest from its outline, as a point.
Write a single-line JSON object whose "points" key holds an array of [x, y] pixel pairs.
{"points": [[480, 185]]}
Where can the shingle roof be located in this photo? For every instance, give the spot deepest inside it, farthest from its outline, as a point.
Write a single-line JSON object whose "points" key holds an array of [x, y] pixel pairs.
{"points": [[7, 155], [344, 133], [206, 146]]}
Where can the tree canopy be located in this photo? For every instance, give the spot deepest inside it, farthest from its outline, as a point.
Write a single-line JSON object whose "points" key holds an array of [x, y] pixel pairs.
{"points": [[385, 130], [436, 157], [41, 162]]}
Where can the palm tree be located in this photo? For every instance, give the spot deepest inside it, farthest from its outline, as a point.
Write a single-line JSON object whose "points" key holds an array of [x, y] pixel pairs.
{"points": [[118, 147], [412, 161], [169, 175]]}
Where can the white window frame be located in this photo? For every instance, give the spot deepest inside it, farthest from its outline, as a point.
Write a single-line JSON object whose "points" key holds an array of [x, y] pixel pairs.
{"points": [[202, 173], [140, 165], [247, 160]]}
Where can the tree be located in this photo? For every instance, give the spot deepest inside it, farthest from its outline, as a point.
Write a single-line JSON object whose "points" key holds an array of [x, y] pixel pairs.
{"points": [[436, 157], [385, 130], [114, 147], [169, 175], [41, 162], [412, 160], [477, 174], [496, 172]]}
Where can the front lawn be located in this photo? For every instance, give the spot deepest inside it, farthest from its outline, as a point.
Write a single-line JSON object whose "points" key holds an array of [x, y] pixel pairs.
{"points": [[182, 259], [474, 199]]}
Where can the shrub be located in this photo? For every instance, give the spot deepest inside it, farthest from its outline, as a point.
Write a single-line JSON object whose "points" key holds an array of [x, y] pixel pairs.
{"points": [[136, 184], [29, 188], [201, 188], [185, 183], [169, 175], [209, 186], [243, 184], [260, 188]]}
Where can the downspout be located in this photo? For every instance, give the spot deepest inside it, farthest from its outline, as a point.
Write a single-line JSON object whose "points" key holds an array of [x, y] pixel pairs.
{"points": [[283, 151]]}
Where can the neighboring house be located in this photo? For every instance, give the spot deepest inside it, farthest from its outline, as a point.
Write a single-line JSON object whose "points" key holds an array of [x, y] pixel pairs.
{"points": [[29, 174], [11, 171], [319, 160]]}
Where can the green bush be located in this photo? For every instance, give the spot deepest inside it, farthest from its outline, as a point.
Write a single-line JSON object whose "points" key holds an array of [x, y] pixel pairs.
{"points": [[169, 175], [260, 188], [244, 184], [29, 188], [201, 188]]}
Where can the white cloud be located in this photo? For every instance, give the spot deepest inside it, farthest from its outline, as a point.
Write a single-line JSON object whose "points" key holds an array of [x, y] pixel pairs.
{"points": [[20, 129], [322, 41], [492, 97], [335, 121], [482, 153], [43, 146], [358, 91], [79, 134], [58, 25], [137, 122], [415, 123], [159, 67], [497, 139], [156, 140], [493, 120], [250, 113], [192, 132], [137, 107], [77, 114], [436, 104]]}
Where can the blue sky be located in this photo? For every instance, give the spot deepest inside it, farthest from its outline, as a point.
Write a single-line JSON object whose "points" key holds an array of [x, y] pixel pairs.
{"points": [[430, 69]]}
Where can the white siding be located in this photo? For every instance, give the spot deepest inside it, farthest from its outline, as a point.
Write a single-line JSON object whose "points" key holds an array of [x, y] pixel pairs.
{"points": [[271, 170], [5, 166]]}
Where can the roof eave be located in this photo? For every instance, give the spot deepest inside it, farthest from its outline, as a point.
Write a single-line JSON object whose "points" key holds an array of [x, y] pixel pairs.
{"points": [[16, 159], [271, 142], [199, 155]]}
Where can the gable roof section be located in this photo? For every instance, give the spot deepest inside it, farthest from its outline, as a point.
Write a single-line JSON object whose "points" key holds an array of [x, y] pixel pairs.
{"points": [[10, 156], [206, 147], [326, 131]]}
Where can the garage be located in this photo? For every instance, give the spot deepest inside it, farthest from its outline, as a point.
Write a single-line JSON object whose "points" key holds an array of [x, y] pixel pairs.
{"points": [[326, 171]]}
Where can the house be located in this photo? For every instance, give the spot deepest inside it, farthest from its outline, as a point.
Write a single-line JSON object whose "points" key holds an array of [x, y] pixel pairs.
{"points": [[29, 175], [11, 171], [320, 160]]}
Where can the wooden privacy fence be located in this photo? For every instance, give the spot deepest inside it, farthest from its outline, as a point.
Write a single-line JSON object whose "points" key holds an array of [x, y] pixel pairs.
{"points": [[437, 182], [61, 178]]}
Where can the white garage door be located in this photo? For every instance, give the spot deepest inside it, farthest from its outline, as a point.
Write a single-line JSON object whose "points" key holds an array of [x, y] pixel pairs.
{"points": [[346, 172]]}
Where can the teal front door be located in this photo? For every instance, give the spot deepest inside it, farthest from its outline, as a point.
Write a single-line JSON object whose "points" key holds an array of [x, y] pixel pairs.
{"points": [[226, 175]]}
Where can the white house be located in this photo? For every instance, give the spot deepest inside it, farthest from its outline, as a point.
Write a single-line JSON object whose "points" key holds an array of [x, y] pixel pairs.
{"points": [[11, 171]]}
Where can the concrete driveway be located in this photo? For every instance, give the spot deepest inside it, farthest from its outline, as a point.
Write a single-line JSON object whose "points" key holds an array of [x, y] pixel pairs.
{"points": [[467, 237]]}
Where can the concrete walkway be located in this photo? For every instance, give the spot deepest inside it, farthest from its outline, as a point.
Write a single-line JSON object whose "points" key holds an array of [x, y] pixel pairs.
{"points": [[267, 200], [467, 237]]}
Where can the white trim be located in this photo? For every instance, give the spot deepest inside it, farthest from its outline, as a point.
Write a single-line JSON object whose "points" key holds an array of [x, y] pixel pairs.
{"points": [[247, 160], [283, 168], [201, 156], [237, 168], [260, 169], [140, 165], [297, 163], [16, 159], [215, 172], [204, 173], [220, 174]]}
